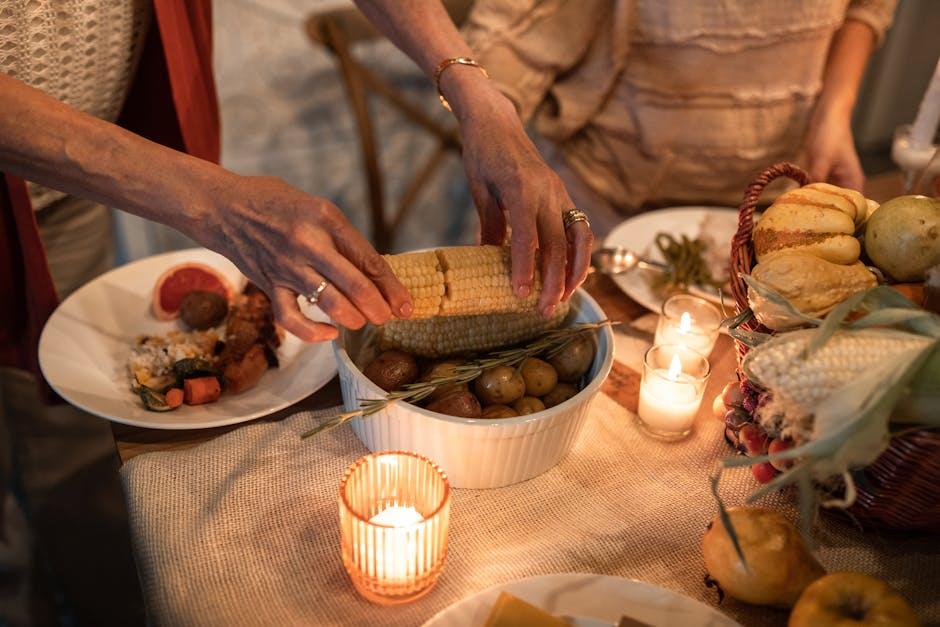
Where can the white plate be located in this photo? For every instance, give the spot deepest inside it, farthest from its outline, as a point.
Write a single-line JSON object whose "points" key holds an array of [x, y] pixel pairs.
{"points": [[591, 600], [637, 234], [84, 347]]}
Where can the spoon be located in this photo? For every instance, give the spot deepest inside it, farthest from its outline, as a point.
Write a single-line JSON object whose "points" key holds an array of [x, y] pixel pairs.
{"points": [[619, 260]]}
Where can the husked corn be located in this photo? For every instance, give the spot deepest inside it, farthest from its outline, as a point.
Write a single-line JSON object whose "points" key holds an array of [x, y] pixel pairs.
{"points": [[450, 335], [460, 281], [422, 276], [777, 364]]}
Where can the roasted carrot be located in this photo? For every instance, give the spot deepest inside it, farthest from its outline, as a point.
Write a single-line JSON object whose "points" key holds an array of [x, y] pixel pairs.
{"points": [[201, 390], [174, 397]]}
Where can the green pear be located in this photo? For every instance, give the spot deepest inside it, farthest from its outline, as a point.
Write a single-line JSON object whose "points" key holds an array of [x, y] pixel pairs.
{"points": [[902, 237]]}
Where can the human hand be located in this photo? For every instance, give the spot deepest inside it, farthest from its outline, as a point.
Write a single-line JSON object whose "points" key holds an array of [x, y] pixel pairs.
{"points": [[830, 150], [508, 177], [287, 242]]}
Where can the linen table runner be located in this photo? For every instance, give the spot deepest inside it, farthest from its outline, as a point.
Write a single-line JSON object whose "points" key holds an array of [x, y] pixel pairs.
{"points": [[243, 530]]}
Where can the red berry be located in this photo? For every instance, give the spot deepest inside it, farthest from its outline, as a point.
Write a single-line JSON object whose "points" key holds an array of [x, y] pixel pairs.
{"points": [[778, 446], [754, 439], [763, 472]]}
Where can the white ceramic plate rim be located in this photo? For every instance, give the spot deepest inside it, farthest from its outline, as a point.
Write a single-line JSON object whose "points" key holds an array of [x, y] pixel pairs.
{"points": [[316, 371], [590, 388], [542, 582], [614, 238]]}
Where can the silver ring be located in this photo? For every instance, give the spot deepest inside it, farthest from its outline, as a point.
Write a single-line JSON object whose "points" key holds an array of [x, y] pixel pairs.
{"points": [[314, 298], [573, 215]]}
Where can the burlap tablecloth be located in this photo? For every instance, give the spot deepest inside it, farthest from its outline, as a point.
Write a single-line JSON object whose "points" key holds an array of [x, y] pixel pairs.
{"points": [[244, 530]]}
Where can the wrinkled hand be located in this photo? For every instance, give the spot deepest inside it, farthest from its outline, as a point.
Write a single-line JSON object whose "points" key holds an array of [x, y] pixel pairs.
{"points": [[831, 151], [287, 242], [508, 177]]}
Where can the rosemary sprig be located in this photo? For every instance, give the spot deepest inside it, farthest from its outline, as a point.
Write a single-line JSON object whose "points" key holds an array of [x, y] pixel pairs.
{"points": [[548, 343]]}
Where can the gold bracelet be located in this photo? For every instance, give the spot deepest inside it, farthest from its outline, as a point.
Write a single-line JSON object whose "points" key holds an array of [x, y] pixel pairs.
{"points": [[446, 63]]}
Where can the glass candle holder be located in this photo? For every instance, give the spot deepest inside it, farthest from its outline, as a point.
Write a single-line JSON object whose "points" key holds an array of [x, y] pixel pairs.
{"points": [[394, 509], [689, 321], [671, 389]]}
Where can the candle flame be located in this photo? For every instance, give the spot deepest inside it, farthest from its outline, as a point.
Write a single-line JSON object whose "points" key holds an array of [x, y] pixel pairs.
{"points": [[685, 322], [675, 368], [397, 516]]}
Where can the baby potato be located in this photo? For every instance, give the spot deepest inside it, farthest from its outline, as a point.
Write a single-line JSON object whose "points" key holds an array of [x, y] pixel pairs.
{"points": [[528, 405], [392, 369], [559, 394], [500, 385], [440, 370], [498, 411], [573, 360], [539, 376], [463, 404]]}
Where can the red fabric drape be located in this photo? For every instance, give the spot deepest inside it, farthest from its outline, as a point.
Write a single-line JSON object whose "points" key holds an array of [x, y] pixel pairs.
{"points": [[171, 101]]}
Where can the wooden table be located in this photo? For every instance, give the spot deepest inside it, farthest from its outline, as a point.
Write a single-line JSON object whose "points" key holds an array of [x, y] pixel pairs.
{"points": [[132, 441]]}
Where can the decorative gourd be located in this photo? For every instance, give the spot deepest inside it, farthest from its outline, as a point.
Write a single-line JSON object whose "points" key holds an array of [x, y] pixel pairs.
{"points": [[820, 219], [813, 285], [806, 250]]}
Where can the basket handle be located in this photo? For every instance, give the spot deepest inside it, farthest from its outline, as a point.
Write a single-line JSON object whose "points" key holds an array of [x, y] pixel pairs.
{"points": [[742, 244]]}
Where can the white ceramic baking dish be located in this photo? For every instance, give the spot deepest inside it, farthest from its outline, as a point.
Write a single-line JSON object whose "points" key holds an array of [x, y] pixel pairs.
{"points": [[477, 453]]}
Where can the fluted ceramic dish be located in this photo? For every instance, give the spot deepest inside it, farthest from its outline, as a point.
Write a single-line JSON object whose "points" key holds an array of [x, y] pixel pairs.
{"points": [[478, 453]]}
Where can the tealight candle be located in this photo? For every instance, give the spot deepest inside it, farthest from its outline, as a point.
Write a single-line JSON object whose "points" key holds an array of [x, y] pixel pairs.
{"points": [[394, 509], [671, 390], [689, 321]]}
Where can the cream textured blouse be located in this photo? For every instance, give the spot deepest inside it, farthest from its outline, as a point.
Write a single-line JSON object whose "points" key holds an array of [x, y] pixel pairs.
{"points": [[80, 52], [655, 101]]}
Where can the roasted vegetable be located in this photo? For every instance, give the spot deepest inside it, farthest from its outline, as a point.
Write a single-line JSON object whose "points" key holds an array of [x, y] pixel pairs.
{"points": [[539, 376], [498, 411], [390, 370], [528, 405], [559, 394], [153, 400], [462, 404], [245, 373], [575, 358], [202, 390], [501, 385], [685, 264]]}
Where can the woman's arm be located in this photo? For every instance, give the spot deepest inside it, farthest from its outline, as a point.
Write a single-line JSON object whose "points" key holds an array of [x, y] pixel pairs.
{"points": [[829, 144], [506, 172], [281, 238]]}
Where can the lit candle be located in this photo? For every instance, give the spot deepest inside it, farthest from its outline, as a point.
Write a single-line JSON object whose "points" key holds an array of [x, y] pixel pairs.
{"points": [[396, 552], [689, 321], [394, 509], [670, 396]]}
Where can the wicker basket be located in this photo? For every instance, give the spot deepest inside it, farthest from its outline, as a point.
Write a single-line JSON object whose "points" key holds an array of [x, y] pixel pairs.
{"points": [[901, 489]]}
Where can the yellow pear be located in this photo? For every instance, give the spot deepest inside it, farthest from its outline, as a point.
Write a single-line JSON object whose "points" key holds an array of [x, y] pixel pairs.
{"points": [[778, 564], [844, 599]]}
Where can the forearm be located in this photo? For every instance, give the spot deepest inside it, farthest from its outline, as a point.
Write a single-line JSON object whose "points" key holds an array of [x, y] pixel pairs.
{"points": [[51, 143], [425, 32], [851, 47]]}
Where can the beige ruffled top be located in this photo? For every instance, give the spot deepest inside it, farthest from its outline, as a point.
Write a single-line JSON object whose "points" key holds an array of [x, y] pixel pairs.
{"points": [[655, 101]]}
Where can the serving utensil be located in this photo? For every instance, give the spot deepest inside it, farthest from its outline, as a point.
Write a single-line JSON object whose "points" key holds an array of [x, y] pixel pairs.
{"points": [[619, 260]]}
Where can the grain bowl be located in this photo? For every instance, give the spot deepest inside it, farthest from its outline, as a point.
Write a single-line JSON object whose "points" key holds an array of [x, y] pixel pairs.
{"points": [[477, 452]]}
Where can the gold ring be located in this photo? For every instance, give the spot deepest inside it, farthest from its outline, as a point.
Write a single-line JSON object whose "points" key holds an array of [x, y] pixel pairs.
{"points": [[575, 215], [314, 298]]}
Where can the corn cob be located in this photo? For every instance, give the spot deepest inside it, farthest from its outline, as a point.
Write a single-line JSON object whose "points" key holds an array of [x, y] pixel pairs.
{"points": [[451, 335], [422, 276], [778, 364], [461, 281]]}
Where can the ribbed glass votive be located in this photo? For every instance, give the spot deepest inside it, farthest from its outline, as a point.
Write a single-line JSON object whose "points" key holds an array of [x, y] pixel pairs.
{"points": [[394, 509]]}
